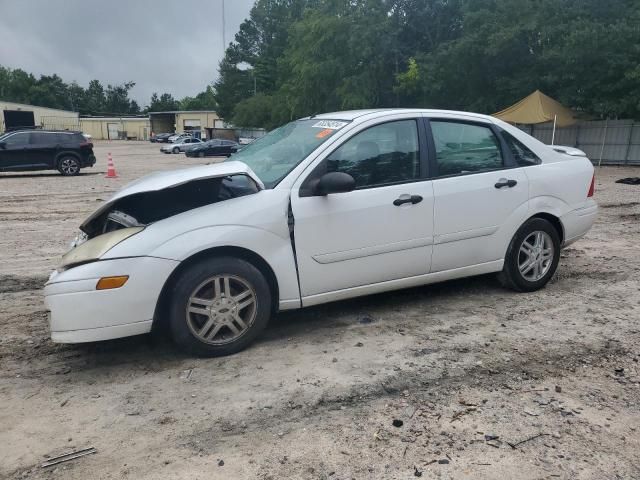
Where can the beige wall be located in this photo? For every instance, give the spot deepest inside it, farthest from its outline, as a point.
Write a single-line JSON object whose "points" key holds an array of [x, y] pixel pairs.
{"points": [[206, 119], [44, 117], [98, 128]]}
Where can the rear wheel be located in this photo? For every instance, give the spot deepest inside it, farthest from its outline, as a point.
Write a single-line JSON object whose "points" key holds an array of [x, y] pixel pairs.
{"points": [[219, 306], [69, 166], [532, 257]]}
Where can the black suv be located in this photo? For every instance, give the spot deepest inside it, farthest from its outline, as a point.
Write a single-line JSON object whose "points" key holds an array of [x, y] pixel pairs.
{"points": [[64, 151]]}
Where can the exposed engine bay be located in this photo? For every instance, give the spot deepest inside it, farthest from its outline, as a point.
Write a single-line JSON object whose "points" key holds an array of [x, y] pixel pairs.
{"points": [[140, 209]]}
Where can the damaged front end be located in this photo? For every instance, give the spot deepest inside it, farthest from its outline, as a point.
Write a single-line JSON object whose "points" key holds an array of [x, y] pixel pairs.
{"points": [[154, 198]]}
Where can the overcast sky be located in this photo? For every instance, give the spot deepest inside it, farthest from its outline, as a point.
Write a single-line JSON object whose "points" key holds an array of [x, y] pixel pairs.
{"points": [[162, 45]]}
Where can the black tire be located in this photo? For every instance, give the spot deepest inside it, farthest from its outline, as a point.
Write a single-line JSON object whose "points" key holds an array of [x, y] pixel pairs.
{"points": [[511, 276], [68, 165], [190, 281], [176, 150]]}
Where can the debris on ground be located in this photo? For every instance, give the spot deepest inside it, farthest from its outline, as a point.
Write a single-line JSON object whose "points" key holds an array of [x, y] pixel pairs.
{"points": [[66, 457], [629, 181]]}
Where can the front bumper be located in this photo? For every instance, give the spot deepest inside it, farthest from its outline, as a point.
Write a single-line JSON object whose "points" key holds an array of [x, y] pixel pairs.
{"points": [[80, 313]]}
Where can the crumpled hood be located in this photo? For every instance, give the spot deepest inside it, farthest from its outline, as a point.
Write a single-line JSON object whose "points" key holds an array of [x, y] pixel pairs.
{"points": [[172, 178]]}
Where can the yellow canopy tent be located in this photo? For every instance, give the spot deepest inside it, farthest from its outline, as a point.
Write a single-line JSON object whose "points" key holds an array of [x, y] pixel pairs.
{"points": [[538, 108]]}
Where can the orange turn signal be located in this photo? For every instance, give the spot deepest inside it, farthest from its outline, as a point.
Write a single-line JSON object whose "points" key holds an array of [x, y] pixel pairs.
{"points": [[106, 283]]}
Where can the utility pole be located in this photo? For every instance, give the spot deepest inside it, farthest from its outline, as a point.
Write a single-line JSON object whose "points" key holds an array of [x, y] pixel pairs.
{"points": [[224, 37]]}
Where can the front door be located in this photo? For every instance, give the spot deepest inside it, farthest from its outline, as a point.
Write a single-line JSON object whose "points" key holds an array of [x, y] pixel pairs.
{"points": [[381, 231], [13, 151], [481, 195]]}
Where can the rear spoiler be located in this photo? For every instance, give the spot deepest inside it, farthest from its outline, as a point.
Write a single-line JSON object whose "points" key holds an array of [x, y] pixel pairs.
{"points": [[574, 152]]}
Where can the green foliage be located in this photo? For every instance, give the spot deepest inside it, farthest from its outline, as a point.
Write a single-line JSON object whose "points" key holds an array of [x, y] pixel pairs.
{"points": [[205, 100], [476, 55], [51, 91], [163, 103]]}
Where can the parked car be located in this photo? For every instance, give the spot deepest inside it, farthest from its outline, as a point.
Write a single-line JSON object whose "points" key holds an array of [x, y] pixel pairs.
{"points": [[321, 209], [213, 148], [178, 136], [181, 145], [64, 151], [161, 138]]}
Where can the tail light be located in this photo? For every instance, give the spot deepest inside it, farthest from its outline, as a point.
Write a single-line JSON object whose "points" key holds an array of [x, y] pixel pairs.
{"points": [[86, 144], [592, 187]]}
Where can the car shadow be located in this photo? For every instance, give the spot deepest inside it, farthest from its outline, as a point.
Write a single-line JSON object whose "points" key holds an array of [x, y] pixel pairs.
{"points": [[37, 174], [368, 308], [156, 351]]}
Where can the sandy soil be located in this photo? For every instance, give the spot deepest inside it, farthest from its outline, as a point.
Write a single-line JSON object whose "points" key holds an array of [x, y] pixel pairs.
{"points": [[487, 383]]}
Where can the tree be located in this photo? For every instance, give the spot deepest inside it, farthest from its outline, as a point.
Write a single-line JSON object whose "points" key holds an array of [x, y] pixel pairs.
{"points": [[260, 43], [205, 100], [478, 55], [163, 103], [94, 98]]}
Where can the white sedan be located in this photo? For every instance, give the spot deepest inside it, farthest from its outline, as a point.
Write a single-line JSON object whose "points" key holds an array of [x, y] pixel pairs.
{"points": [[181, 145], [322, 209]]}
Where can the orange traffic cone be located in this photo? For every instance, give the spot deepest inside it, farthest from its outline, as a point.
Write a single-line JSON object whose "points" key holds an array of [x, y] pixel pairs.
{"points": [[111, 169]]}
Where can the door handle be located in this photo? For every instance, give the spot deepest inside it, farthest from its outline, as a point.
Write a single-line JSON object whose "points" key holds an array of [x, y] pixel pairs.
{"points": [[503, 182], [413, 199]]}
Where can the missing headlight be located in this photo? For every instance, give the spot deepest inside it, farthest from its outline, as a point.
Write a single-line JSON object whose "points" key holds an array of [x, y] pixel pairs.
{"points": [[117, 220]]}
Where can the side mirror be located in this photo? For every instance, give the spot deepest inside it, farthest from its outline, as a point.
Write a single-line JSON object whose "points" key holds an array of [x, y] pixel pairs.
{"points": [[335, 182]]}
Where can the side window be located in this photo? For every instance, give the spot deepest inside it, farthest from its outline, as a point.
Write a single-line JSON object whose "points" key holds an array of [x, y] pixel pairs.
{"points": [[386, 153], [524, 157], [63, 138], [465, 148], [17, 140], [40, 138]]}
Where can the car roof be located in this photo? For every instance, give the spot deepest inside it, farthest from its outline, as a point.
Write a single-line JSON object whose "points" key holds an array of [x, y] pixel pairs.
{"points": [[30, 130], [350, 115]]}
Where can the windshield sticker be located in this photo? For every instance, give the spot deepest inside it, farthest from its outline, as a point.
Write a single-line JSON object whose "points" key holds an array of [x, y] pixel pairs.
{"points": [[330, 124], [324, 133]]}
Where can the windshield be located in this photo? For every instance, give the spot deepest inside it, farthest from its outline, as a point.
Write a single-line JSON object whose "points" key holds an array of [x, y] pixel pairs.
{"points": [[273, 156]]}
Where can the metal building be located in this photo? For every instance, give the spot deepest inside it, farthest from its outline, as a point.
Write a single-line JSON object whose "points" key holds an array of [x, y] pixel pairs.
{"points": [[116, 128], [182, 121], [18, 115]]}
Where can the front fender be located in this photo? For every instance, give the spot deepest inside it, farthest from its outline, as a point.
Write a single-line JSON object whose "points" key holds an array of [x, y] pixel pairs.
{"points": [[275, 250]]}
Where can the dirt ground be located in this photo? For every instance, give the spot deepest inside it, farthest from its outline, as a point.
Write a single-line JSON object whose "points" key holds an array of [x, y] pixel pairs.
{"points": [[487, 383]]}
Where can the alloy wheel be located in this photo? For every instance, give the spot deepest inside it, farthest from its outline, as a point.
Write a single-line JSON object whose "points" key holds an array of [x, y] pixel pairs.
{"points": [[221, 309], [69, 166], [535, 256]]}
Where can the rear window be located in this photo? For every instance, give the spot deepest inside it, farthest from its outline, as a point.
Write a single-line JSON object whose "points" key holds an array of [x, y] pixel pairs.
{"points": [[523, 155]]}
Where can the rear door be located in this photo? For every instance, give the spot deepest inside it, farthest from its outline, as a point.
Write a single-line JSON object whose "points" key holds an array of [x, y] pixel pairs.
{"points": [[227, 147], [481, 194], [43, 147], [13, 151], [214, 148]]}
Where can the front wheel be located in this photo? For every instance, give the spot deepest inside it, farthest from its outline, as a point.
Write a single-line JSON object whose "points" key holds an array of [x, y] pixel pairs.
{"points": [[219, 306], [176, 150], [532, 257]]}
